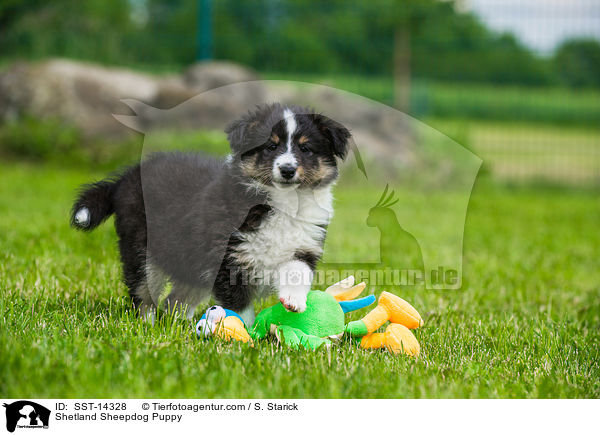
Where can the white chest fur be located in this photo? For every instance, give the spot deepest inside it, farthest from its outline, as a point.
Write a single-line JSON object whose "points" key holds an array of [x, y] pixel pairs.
{"points": [[296, 223]]}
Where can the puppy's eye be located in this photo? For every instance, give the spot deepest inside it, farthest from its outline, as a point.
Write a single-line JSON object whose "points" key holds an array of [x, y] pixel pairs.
{"points": [[272, 146], [304, 148]]}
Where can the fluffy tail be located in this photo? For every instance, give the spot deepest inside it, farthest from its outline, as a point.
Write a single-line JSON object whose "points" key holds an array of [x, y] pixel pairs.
{"points": [[94, 204]]}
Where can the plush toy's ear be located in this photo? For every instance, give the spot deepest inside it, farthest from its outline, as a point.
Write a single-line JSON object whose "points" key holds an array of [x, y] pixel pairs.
{"points": [[350, 293], [342, 286], [357, 304], [336, 133]]}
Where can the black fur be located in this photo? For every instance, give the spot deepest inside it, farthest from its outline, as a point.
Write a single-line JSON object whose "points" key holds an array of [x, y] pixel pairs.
{"points": [[185, 213], [337, 134], [308, 257], [97, 198]]}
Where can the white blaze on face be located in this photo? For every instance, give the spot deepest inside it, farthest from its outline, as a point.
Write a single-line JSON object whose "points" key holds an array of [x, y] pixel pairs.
{"points": [[287, 158]]}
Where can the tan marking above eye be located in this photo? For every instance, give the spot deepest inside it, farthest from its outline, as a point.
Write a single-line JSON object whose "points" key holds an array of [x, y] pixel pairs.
{"points": [[275, 138], [303, 139]]}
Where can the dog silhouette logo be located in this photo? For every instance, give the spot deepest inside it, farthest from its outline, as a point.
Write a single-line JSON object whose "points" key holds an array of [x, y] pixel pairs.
{"points": [[26, 414]]}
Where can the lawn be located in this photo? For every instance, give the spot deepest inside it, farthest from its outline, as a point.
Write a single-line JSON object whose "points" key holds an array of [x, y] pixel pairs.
{"points": [[525, 324], [548, 105], [529, 151]]}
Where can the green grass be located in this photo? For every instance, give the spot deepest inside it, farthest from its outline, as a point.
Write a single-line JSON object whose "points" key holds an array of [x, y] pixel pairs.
{"points": [[529, 151], [548, 105], [525, 324]]}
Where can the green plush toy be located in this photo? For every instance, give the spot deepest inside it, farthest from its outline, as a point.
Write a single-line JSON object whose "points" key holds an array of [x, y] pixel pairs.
{"points": [[322, 320]]}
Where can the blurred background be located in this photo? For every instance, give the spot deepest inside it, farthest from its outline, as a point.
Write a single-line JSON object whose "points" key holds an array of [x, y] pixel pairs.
{"points": [[516, 82]]}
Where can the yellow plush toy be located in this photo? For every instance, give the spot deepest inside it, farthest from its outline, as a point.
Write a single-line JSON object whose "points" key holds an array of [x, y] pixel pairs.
{"points": [[223, 323], [397, 337], [402, 316]]}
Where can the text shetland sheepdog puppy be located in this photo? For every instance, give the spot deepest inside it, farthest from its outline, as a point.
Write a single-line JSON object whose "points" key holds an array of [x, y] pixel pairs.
{"points": [[235, 227]]}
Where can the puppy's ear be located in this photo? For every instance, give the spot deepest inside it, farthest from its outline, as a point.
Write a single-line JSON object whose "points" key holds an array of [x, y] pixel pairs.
{"points": [[246, 132], [236, 131], [336, 133]]}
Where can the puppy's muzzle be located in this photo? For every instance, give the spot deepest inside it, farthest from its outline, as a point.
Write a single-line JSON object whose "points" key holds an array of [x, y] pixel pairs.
{"points": [[287, 171]]}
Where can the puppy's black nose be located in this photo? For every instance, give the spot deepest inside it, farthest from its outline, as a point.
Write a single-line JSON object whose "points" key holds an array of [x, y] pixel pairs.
{"points": [[287, 171]]}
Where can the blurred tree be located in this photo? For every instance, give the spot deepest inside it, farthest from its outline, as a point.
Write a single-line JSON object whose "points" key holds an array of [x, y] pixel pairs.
{"points": [[406, 19], [86, 29], [578, 62], [427, 39], [171, 31]]}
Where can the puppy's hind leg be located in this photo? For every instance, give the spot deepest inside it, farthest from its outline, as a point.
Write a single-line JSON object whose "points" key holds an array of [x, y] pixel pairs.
{"points": [[136, 280], [145, 288], [142, 301], [184, 299], [154, 285]]}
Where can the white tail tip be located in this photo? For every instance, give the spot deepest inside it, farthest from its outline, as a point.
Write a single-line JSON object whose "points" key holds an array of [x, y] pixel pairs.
{"points": [[82, 217]]}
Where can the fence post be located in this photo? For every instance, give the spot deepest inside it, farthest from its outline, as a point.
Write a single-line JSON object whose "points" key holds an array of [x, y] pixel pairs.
{"points": [[204, 33], [402, 70]]}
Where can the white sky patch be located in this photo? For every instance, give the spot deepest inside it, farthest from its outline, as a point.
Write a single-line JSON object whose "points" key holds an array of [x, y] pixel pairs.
{"points": [[540, 24]]}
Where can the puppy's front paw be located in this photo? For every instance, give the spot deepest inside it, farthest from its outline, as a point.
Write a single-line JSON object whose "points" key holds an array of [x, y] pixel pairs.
{"points": [[295, 278], [293, 300]]}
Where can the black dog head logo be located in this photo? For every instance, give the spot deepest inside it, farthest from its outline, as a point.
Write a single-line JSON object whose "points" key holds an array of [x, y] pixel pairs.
{"points": [[26, 413]]}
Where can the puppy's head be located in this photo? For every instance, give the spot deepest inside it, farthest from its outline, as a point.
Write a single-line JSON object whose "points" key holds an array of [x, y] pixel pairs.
{"points": [[286, 146]]}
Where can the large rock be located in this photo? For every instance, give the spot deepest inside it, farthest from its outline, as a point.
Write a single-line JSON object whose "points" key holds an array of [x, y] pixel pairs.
{"points": [[203, 76], [86, 95], [80, 94], [201, 97], [206, 95]]}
